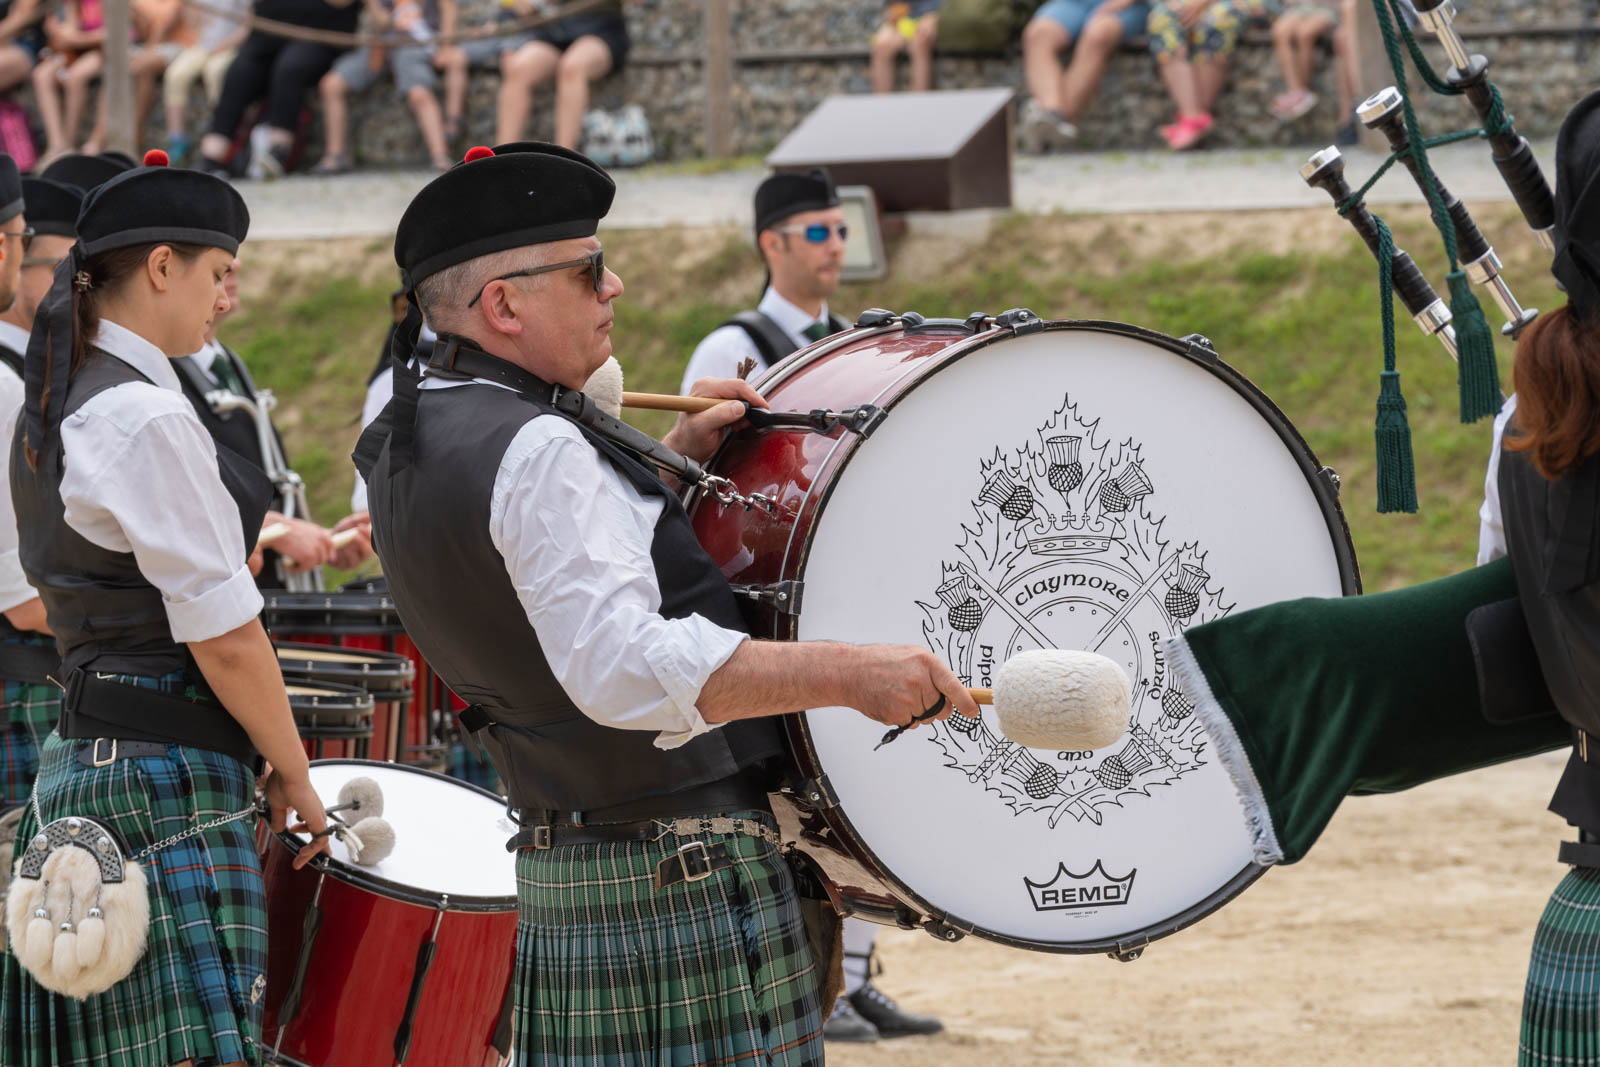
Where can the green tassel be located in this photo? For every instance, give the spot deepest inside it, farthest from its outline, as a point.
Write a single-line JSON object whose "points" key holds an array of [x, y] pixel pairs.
{"points": [[1397, 472], [1478, 373]]}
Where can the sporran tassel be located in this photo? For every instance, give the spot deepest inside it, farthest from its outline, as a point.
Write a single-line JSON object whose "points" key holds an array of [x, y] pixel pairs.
{"points": [[1478, 373], [1397, 474]]}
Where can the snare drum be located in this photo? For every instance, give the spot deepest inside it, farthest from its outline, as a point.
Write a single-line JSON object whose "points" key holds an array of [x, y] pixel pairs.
{"points": [[388, 676], [999, 488], [333, 720], [411, 957], [364, 617]]}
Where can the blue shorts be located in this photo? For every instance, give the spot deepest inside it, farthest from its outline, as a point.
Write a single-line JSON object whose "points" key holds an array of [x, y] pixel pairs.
{"points": [[1073, 15]]}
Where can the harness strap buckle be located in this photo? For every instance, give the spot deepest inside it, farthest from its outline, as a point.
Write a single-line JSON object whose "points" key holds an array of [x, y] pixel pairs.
{"points": [[696, 868], [96, 760], [541, 837]]}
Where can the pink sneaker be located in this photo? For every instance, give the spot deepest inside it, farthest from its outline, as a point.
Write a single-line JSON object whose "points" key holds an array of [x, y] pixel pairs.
{"points": [[1190, 131]]}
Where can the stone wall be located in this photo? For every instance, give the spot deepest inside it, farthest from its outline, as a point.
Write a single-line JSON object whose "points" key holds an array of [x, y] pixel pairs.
{"points": [[790, 54]]}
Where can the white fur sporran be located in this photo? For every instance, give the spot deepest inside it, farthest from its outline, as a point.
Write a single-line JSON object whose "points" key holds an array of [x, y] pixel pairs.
{"points": [[77, 912]]}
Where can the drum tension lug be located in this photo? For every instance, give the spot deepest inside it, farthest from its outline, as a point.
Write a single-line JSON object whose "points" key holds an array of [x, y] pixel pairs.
{"points": [[1331, 476], [939, 930], [782, 597], [817, 794], [1128, 951], [1019, 321], [1200, 348], [875, 317]]}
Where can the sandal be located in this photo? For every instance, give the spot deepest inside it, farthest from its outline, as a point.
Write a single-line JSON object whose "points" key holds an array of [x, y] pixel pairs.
{"points": [[333, 163]]}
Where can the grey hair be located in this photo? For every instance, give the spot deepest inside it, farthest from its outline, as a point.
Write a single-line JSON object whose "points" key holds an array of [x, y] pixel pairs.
{"points": [[444, 295]]}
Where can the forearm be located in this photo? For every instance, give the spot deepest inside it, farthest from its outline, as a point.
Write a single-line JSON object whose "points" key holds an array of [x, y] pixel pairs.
{"points": [[764, 678], [29, 615], [242, 670]]}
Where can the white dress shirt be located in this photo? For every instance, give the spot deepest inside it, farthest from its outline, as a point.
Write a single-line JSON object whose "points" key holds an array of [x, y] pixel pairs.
{"points": [[205, 358], [141, 476], [575, 536], [379, 390], [719, 355], [14, 587], [1491, 528]]}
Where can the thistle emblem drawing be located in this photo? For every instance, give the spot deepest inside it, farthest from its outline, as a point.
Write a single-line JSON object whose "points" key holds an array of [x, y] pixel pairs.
{"points": [[1067, 547]]}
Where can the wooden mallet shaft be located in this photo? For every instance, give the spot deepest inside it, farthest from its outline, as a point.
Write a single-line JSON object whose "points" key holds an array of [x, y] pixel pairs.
{"points": [[692, 405]]}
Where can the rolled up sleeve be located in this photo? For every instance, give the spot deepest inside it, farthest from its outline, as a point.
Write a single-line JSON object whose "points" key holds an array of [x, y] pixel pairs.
{"points": [[576, 540]]}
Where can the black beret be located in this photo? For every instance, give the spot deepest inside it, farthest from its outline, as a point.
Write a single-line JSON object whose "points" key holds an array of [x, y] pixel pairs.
{"points": [[121, 159], [1577, 229], [85, 172], [518, 194], [162, 204], [10, 188], [52, 207], [783, 195]]}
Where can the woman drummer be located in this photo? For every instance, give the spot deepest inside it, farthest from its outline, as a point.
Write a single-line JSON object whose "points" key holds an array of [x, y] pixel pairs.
{"points": [[1542, 508], [134, 531]]}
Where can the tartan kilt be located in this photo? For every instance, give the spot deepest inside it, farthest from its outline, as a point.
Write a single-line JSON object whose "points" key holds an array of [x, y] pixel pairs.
{"points": [[195, 993], [1561, 1003], [30, 715], [610, 973]]}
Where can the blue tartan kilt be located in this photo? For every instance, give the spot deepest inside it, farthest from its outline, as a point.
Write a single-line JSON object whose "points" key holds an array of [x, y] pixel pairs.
{"points": [[612, 973], [196, 992], [30, 714], [1561, 1003]]}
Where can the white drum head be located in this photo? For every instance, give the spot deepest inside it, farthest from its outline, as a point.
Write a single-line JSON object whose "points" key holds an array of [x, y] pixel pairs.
{"points": [[1070, 489], [449, 837]]}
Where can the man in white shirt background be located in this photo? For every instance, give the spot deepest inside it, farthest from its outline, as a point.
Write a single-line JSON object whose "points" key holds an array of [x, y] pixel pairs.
{"points": [[800, 233]]}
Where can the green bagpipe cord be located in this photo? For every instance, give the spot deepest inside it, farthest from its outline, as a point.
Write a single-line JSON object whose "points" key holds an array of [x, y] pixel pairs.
{"points": [[1308, 701]]}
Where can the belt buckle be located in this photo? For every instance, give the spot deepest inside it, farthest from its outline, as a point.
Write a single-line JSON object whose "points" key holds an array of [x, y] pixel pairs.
{"points": [[541, 837], [94, 753], [704, 861]]}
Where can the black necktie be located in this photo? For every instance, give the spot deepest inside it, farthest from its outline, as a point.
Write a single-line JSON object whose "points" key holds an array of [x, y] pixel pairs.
{"points": [[222, 370]]}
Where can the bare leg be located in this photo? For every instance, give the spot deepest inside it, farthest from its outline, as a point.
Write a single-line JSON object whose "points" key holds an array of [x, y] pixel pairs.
{"points": [[1349, 65], [147, 67], [886, 45], [1285, 46], [1100, 39], [1210, 75], [522, 70], [1043, 41], [922, 53], [47, 96], [586, 60], [1182, 86], [430, 120], [455, 89], [84, 70], [14, 67], [335, 93]]}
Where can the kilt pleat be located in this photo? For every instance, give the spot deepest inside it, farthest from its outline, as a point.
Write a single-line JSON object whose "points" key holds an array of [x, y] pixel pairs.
{"points": [[30, 714], [195, 992], [612, 973], [1561, 1003]]}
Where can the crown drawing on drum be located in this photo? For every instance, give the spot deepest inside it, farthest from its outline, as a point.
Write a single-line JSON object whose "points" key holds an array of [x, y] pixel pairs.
{"points": [[1072, 535], [1123, 491]]}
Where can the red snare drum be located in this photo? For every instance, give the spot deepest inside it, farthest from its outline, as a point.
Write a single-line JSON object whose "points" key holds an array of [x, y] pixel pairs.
{"points": [[389, 677], [1005, 485], [405, 961], [334, 721]]}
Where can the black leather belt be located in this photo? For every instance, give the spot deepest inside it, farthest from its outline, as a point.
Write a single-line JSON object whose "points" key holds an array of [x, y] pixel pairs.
{"points": [[694, 861], [100, 707], [104, 751]]}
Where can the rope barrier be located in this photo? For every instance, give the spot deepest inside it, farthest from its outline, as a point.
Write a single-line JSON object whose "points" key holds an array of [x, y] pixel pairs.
{"points": [[391, 38]]}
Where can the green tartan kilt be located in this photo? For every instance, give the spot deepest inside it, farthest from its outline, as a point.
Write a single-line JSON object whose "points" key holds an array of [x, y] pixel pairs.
{"points": [[30, 715], [1561, 1003], [611, 973], [196, 991]]}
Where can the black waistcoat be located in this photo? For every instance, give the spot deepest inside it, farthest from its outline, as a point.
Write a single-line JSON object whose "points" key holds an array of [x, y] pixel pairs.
{"points": [[105, 614], [430, 521], [236, 429], [1552, 534]]}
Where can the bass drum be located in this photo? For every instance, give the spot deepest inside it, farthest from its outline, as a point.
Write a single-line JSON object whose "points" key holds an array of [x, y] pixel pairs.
{"points": [[1004, 485]]}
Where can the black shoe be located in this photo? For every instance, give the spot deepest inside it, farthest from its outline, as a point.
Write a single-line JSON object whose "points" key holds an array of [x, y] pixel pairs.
{"points": [[847, 1025], [883, 1013], [1348, 134]]}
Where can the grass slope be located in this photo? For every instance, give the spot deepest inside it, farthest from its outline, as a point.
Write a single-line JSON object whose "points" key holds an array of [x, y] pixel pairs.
{"points": [[1288, 298]]}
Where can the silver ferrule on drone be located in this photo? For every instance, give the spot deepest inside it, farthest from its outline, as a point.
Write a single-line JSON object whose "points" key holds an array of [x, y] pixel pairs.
{"points": [[1485, 271], [1440, 22], [1434, 321]]}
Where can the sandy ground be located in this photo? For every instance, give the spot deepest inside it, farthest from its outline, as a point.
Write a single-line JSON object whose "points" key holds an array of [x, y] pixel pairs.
{"points": [[1401, 939]]}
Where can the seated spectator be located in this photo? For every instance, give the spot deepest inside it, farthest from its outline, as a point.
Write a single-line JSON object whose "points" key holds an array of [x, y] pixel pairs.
{"points": [[217, 41], [575, 51], [282, 70], [75, 31], [1295, 34], [907, 27], [161, 32], [21, 41], [1057, 97], [1192, 40], [412, 68]]}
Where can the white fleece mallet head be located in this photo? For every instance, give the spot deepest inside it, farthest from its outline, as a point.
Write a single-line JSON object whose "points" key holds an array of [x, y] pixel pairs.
{"points": [[361, 795], [1062, 699], [604, 387]]}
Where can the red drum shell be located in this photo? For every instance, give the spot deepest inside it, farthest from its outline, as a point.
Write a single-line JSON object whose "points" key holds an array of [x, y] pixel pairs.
{"points": [[802, 470], [364, 958]]}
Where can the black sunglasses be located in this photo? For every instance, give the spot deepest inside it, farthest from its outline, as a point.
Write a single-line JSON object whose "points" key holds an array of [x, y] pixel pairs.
{"points": [[595, 261]]}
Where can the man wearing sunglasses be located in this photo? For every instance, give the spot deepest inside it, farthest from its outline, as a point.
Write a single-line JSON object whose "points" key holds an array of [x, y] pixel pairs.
{"points": [[800, 233]]}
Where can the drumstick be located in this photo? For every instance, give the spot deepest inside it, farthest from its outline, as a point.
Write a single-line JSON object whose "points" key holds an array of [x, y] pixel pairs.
{"points": [[278, 530], [692, 405]]}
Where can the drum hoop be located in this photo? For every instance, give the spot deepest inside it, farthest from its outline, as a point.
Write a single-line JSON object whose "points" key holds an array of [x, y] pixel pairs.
{"points": [[794, 567], [339, 698], [399, 891]]}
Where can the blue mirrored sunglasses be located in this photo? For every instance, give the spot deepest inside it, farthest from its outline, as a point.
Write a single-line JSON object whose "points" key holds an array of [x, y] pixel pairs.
{"points": [[819, 232]]}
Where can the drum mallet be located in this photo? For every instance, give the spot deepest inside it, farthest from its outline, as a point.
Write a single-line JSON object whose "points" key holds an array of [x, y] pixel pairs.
{"points": [[1510, 150], [371, 838], [1061, 699], [1325, 171], [359, 794], [859, 419], [1382, 112], [277, 531]]}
